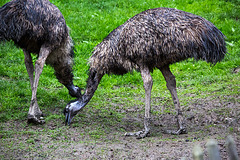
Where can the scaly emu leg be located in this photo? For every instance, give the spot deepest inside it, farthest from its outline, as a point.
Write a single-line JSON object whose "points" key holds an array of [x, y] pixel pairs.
{"points": [[29, 66], [147, 83], [35, 114], [171, 85]]}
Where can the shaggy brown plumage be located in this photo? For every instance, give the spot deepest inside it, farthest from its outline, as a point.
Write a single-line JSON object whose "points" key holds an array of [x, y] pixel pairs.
{"points": [[37, 26], [152, 39], [158, 37]]}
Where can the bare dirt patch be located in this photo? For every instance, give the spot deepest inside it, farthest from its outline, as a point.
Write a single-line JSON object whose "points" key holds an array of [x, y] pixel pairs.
{"points": [[95, 135]]}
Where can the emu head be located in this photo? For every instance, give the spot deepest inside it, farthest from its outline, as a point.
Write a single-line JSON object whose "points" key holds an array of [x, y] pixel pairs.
{"points": [[75, 91], [72, 108]]}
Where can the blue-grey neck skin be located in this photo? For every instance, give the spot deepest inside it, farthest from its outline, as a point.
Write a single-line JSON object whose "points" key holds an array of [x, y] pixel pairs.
{"points": [[74, 91], [72, 109], [75, 106]]}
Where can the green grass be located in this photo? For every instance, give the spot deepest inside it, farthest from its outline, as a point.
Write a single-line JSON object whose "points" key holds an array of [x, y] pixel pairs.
{"points": [[91, 21]]}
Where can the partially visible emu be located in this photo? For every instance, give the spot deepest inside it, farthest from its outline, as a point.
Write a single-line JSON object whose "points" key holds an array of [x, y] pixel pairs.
{"points": [[152, 39], [37, 26]]}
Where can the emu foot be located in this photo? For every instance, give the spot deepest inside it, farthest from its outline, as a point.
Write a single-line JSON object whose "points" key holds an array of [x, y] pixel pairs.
{"points": [[144, 133], [182, 130], [35, 119], [139, 134]]}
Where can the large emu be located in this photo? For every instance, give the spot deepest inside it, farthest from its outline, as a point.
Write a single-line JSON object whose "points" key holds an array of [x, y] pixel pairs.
{"points": [[152, 39], [37, 26]]}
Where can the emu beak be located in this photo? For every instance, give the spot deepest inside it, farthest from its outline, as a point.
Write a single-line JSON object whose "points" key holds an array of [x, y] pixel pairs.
{"points": [[68, 117], [71, 110]]}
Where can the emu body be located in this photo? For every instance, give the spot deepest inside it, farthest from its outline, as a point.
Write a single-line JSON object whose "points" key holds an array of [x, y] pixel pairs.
{"points": [[37, 26], [152, 39]]}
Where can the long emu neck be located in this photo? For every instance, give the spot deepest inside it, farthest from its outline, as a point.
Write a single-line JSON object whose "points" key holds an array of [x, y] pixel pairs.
{"points": [[92, 84]]}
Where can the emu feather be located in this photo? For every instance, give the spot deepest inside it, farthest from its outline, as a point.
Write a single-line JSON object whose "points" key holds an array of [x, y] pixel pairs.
{"points": [[37, 26], [152, 39]]}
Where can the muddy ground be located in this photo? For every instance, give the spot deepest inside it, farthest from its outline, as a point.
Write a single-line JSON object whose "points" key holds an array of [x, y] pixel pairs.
{"points": [[100, 136]]}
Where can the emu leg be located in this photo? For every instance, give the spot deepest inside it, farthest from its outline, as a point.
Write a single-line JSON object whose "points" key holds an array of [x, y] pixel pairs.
{"points": [[147, 83], [35, 114], [171, 85], [29, 66]]}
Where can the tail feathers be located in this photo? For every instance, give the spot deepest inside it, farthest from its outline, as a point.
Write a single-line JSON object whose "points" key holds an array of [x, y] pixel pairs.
{"points": [[217, 45], [213, 46]]}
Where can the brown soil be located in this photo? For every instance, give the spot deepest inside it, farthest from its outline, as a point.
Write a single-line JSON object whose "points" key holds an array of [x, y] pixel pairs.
{"points": [[206, 119]]}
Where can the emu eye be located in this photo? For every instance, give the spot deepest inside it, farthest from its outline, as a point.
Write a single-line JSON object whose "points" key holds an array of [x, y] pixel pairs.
{"points": [[66, 110]]}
